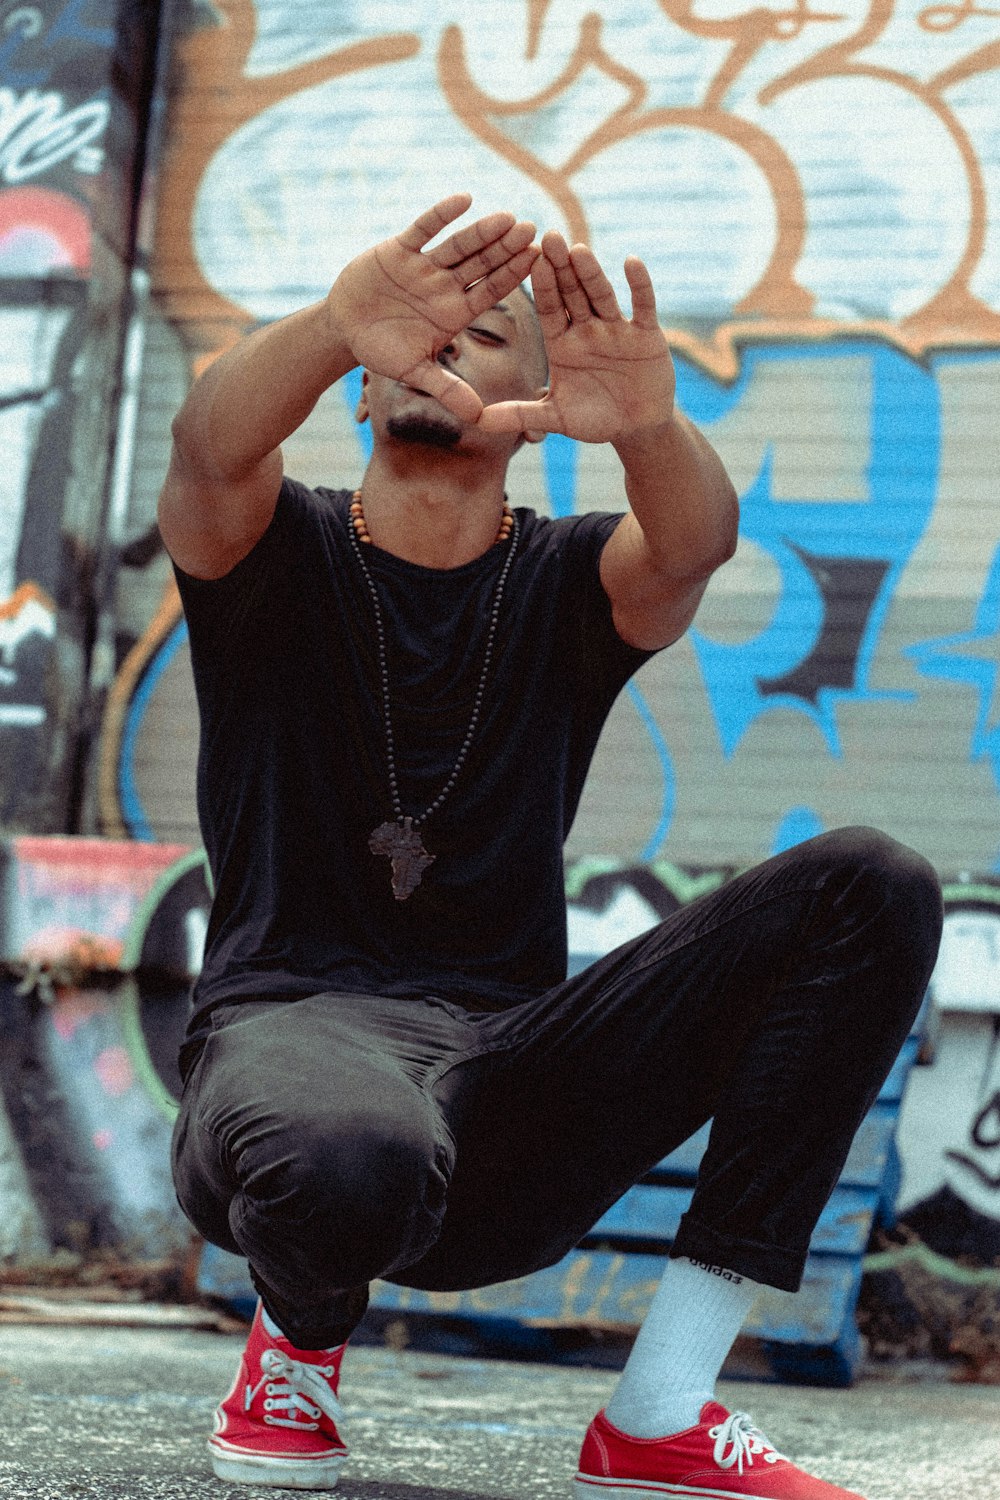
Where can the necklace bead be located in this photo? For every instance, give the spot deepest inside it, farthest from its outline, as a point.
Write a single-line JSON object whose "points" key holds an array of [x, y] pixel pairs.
{"points": [[357, 513]]}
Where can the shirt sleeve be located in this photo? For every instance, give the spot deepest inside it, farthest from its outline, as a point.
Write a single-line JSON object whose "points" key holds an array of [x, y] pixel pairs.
{"points": [[601, 660], [233, 613]]}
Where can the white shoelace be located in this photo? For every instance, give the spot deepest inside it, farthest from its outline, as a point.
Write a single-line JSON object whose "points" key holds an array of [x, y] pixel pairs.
{"points": [[744, 1442], [299, 1389]]}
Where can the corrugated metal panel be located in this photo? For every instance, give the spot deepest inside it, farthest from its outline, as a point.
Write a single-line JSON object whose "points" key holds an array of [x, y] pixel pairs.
{"points": [[844, 665]]}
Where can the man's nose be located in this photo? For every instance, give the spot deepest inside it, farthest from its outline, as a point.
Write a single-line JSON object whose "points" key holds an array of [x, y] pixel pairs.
{"points": [[447, 353]]}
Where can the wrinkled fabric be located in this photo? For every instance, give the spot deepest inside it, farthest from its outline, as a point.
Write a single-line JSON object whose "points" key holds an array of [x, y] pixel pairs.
{"points": [[343, 1137]]}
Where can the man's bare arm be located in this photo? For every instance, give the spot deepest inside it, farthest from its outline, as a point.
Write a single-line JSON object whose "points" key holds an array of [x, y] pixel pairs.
{"points": [[612, 380], [681, 525], [225, 466], [392, 309]]}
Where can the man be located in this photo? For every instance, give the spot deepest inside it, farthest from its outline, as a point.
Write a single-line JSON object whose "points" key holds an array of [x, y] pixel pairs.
{"points": [[387, 1072]]}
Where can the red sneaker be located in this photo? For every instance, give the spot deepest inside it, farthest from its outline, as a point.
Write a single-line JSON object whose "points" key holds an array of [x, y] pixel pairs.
{"points": [[724, 1458], [278, 1425]]}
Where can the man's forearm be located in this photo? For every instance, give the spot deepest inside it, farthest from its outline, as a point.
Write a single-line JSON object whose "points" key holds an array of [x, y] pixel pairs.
{"points": [[256, 394], [681, 496]]}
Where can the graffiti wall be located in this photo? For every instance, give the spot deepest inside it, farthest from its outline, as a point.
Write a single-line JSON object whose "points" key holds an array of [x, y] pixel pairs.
{"points": [[99, 941], [950, 1130], [99, 945], [38, 338], [948, 1135], [832, 294], [74, 81]]}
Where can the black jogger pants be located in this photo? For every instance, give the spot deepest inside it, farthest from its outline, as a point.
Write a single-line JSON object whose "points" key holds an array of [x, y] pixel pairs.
{"points": [[339, 1138]]}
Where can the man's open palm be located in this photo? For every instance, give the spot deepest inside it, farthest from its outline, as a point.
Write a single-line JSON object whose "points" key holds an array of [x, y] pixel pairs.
{"points": [[397, 306], [608, 376]]}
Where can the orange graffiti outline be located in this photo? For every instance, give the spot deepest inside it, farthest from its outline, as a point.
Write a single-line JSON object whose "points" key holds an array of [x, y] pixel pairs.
{"points": [[778, 307], [954, 316], [211, 62], [951, 16], [11, 608], [776, 293], [748, 32], [127, 679]]}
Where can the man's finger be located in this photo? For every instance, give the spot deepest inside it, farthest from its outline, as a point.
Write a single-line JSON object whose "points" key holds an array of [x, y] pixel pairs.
{"points": [[422, 230], [504, 279], [475, 267], [447, 388], [519, 416], [643, 296], [548, 302], [600, 292], [573, 295], [487, 235]]}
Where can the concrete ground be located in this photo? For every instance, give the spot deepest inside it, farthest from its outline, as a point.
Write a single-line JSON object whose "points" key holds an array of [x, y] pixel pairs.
{"points": [[121, 1414]]}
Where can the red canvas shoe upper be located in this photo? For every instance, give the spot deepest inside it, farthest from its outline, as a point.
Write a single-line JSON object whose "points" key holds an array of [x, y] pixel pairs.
{"points": [[724, 1456], [283, 1403]]}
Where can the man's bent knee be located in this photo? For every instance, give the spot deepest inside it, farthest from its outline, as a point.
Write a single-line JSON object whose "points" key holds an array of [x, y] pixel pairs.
{"points": [[884, 874], [352, 1206]]}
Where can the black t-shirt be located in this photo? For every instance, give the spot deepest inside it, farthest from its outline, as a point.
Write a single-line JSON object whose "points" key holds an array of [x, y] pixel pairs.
{"points": [[292, 768]]}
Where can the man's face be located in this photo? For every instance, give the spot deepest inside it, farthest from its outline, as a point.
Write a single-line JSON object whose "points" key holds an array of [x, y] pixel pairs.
{"points": [[500, 355]]}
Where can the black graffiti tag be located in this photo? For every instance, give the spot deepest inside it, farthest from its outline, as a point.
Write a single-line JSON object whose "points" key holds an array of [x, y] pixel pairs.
{"points": [[985, 1134], [37, 131], [986, 1127]]}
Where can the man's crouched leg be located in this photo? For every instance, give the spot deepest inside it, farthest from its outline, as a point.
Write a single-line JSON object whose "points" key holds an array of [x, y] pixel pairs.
{"points": [[322, 1188]]}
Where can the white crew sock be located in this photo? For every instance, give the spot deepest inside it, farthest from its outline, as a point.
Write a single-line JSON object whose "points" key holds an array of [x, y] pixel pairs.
{"points": [[270, 1326], [694, 1317]]}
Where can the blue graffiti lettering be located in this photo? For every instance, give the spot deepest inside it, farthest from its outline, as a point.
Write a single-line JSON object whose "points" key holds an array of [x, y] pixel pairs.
{"points": [[797, 825], [70, 29], [559, 459], [839, 561], [973, 657]]}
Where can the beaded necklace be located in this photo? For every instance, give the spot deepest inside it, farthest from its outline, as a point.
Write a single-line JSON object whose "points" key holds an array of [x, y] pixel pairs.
{"points": [[398, 839]]}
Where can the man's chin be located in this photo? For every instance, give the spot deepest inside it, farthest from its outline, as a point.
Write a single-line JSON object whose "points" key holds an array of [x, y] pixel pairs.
{"points": [[426, 429]]}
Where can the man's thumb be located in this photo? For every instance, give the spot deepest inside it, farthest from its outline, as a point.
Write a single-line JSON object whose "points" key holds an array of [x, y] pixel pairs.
{"points": [[528, 417], [452, 392]]}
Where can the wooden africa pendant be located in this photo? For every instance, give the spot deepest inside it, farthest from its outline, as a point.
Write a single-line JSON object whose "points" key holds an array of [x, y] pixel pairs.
{"points": [[402, 845]]}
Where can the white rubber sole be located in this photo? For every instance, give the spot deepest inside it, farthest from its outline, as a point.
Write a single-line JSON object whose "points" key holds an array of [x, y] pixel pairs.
{"points": [[633, 1489], [283, 1473]]}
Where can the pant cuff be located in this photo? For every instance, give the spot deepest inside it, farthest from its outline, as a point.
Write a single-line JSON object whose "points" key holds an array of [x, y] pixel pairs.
{"points": [[310, 1327], [772, 1265]]}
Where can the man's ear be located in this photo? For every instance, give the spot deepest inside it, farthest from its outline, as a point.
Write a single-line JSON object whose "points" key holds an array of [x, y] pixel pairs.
{"points": [[361, 410]]}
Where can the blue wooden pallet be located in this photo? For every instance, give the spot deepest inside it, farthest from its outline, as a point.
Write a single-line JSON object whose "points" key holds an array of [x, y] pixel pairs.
{"points": [[606, 1284]]}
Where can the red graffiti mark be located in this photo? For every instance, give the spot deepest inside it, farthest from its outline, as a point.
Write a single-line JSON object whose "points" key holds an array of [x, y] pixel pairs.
{"points": [[72, 948], [79, 863], [72, 1010], [103, 1139], [114, 1071], [42, 230]]}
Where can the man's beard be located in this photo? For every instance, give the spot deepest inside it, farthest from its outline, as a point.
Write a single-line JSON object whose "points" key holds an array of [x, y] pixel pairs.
{"points": [[431, 431]]}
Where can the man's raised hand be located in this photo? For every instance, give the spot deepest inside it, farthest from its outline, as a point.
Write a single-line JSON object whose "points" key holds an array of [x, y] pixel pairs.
{"points": [[608, 376], [398, 305]]}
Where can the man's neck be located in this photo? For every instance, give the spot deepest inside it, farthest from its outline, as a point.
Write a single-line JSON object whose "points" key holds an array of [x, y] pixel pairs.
{"points": [[438, 514]]}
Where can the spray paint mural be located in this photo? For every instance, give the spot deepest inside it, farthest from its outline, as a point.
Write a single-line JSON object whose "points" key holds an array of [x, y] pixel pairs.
{"points": [[70, 122], [100, 941], [49, 146], [832, 294], [743, 133], [949, 1128], [54, 115], [41, 339]]}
